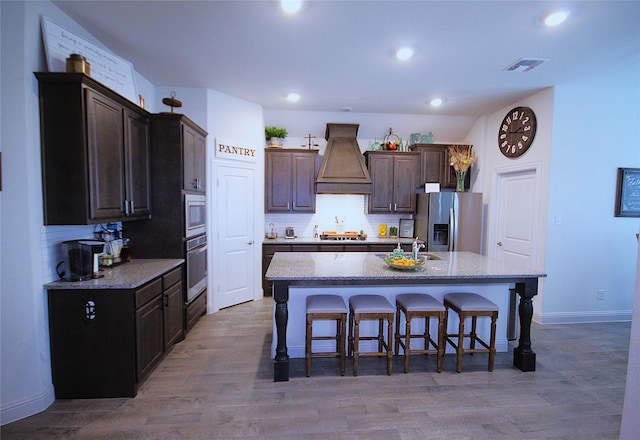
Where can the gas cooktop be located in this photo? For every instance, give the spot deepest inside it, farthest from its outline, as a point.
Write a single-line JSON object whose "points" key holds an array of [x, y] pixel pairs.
{"points": [[332, 235]]}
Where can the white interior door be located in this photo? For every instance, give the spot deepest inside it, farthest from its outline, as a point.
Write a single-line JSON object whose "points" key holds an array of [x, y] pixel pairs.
{"points": [[517, 217], [235, 247]]}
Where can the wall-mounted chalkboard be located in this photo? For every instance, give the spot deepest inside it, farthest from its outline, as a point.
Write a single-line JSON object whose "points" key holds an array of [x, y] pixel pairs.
{"points": [[628, 192]]}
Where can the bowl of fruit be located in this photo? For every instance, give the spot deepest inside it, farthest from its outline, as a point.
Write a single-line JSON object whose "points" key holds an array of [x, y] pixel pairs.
{"points": [[404, 262]]}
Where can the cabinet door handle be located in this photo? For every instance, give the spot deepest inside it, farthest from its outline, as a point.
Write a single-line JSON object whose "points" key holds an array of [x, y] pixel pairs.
{"points": [[132, 210], [126, 207], [390, 207], [499, 243], [395, 207], [250, 242]]}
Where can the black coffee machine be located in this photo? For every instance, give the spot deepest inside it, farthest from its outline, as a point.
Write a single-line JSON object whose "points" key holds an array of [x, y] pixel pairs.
{"points": [[80, 259]]}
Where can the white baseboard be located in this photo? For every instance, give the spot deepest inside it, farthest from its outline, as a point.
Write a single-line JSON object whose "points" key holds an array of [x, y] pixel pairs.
{"points": [[13, 411], [582, 317]]}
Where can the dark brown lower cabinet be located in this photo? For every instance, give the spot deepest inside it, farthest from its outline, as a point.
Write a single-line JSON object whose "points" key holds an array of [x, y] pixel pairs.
{"points": [[105, 342], [173, 304], [195, 309], [149, 336]]}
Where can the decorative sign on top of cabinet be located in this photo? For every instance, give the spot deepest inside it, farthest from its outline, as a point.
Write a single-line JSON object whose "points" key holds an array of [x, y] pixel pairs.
{"points": [[95, 152], [395, 180], [435, 166], [290, 177]]}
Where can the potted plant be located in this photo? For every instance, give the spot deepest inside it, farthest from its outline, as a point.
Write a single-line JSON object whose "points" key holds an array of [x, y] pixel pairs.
{"points": [[393, 232], [275, 135]]}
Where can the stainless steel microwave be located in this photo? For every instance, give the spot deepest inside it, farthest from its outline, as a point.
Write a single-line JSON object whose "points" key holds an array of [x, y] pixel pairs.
{"points": [[194, 215]]}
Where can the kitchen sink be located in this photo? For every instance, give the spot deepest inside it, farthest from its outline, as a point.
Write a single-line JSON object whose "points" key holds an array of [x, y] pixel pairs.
{"points": [[408, 255]]}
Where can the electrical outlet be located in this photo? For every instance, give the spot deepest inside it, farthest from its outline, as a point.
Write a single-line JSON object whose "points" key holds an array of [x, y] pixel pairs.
{"points": [[600, 294]]}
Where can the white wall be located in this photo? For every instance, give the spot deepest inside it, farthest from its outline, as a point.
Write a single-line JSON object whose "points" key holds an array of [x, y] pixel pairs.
{"points": [[596, 129], [26, 373]]}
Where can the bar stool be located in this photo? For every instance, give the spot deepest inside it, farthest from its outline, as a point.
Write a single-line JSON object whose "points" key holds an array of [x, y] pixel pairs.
{"points": [[420, 305], [326, 307], [471, 305], [370, 307]]}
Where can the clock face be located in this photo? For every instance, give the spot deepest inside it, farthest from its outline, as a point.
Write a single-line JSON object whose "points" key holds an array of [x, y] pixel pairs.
{"points": [[517, 131]]}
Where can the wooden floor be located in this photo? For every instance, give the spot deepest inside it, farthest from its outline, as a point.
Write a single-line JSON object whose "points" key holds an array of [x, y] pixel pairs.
{"points": [[218, 383]]}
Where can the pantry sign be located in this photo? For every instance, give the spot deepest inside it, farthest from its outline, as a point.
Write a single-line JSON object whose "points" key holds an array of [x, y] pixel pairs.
{"points": [[231, 150]]}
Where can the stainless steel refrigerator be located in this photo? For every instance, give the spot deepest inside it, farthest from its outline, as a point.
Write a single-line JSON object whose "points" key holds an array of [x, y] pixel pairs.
{"points": [[449, 221]]}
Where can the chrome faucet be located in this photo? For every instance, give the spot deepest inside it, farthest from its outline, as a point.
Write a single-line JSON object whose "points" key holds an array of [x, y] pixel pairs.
{"points": [[415, 248]]}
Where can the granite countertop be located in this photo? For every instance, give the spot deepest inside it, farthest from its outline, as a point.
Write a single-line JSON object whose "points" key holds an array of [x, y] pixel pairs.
{"points": [[311, 240], [371, 266], [124, 276]]}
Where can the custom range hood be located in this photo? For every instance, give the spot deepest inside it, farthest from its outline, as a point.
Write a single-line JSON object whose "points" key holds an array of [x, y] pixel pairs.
{"points": [[342, 170]]}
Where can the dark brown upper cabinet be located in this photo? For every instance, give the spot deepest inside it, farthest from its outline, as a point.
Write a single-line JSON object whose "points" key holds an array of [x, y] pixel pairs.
{"points": [[290, 177], [95, 152], [395, 180], [436, 166]]}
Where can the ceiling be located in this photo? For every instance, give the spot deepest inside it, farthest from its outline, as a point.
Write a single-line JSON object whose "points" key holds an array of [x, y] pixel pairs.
{"points": [[340, 54]]}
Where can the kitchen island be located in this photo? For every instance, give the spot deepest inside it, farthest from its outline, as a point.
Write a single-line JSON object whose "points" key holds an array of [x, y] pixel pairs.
{"points": [[290, 271]]}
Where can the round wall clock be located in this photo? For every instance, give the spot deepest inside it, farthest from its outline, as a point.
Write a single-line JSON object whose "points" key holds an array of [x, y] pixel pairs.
{"points": [[517, 131]]}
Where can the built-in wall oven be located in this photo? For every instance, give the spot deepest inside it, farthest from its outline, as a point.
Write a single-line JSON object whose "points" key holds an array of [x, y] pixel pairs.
{"points": [[196, 259], [194, 215]]}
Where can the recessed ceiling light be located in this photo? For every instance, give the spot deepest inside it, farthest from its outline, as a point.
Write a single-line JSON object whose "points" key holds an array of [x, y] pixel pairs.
{"points": [[291, 6], [346, 109], [293, 97], [555, 18], [436, 102], [404, 54]]}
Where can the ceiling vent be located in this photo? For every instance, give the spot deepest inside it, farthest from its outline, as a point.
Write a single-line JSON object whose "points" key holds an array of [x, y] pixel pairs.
{"points": [[525, 64]]}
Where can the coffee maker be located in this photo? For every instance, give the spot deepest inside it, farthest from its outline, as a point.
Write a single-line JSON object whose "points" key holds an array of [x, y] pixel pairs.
{"points": [[81, 259]]}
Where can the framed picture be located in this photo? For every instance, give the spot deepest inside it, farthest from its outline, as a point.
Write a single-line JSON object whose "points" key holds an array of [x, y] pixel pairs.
{"points": [[628, 192], [406, 228]]}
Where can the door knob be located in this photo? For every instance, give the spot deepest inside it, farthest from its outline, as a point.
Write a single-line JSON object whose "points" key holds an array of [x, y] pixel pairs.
{"points": [[499, 243], [250, 242]]}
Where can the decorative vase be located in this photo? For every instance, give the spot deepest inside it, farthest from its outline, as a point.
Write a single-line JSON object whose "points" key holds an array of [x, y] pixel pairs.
{"points": [[460, 176], [275, 142]]}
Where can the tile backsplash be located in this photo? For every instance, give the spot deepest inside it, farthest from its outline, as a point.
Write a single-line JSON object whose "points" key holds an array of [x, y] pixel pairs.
{"points": [[351, 208]]}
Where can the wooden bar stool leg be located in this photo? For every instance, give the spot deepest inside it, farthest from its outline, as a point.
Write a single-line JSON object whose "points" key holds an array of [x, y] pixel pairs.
{"points": [[356, 343], [341, 349], [442, 325], [407, 341], [380, 334], [397, 336], [350, 342], [459, 348], [308, 346], [389, 346], [472, 345], [492, 343]]}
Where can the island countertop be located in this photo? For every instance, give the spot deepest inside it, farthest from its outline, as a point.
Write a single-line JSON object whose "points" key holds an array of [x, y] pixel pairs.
{"points": [[124, 276], [314, 266]]}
